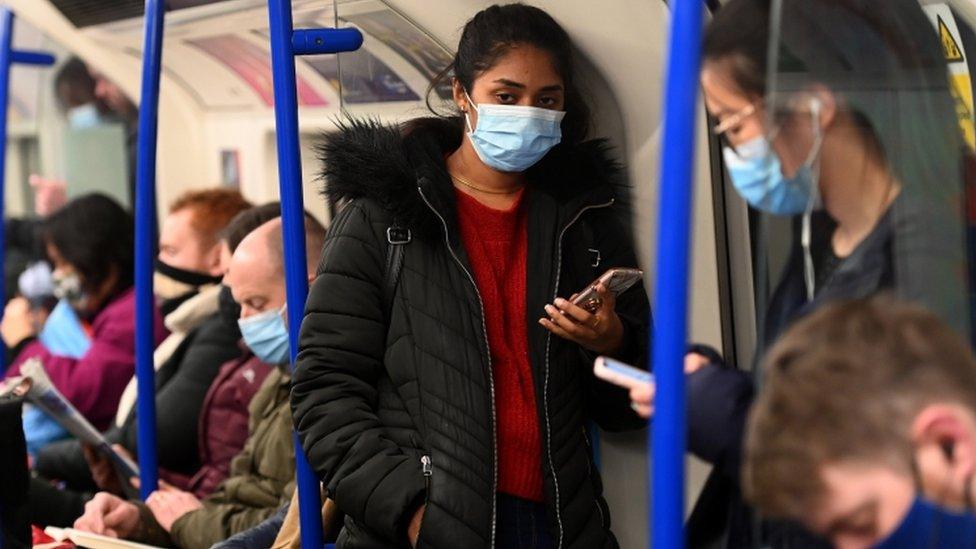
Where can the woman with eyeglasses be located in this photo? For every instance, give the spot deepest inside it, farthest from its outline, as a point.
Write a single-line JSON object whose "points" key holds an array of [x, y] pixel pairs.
{"points": [[858, 142]]}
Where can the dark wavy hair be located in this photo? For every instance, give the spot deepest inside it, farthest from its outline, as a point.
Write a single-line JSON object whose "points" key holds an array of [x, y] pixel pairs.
{"points": [[95, 234], [491, 33], [244, 222]]}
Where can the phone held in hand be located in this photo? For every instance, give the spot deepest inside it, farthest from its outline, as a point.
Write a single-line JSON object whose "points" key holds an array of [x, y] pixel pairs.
{"points": [[621, 374], [617, 281]]}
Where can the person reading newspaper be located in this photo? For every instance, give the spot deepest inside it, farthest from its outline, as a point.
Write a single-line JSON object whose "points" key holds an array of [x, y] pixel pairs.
{"points": [[261, 479]]}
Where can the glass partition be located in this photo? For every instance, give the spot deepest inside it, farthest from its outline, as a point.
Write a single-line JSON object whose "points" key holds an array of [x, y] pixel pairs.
{"points": [[867, 139]]}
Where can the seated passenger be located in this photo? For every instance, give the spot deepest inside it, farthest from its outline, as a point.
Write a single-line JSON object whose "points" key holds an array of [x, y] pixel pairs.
{"points": [[261, 477], [206, 389], [186, 287], [89, 243], [865, 430]]}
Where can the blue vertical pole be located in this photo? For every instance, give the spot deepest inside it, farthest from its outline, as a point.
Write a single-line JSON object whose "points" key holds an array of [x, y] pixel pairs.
{"points": [[6, 42], [293, 229], [145, 213], [667, 443], [9, 56]]}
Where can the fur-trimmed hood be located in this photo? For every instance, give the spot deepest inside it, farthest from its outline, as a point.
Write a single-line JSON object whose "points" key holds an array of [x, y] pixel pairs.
{"points": [[386, 163]]}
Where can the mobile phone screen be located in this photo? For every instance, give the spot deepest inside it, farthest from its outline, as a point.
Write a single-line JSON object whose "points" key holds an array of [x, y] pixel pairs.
{"points": [[621, 374]]}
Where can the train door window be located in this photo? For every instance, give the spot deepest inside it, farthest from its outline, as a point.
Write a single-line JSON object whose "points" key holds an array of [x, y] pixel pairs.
{"points": [[395, 66]]}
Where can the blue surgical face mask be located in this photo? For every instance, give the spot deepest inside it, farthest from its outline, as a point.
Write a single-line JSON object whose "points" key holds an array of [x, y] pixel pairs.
{"points": [[757, 174], [928, 525], [758, 177], [267, 335], [512, 138], [84, 116], [63, 333]]}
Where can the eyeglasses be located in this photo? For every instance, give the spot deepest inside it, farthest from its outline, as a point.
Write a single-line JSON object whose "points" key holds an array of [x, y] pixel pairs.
{"points": [[734, 120]]}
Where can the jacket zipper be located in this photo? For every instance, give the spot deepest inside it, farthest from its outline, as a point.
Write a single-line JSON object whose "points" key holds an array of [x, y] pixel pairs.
{"points": [[545, 389], [491, 381], [427, 468]]}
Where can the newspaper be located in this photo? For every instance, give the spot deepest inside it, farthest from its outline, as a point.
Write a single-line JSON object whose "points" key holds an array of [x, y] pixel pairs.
{"points": [[92, 541], [41, 393]]}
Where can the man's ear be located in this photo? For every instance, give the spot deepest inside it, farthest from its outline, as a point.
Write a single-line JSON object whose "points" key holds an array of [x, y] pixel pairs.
{"points": [[944, 438], [214, 266]]}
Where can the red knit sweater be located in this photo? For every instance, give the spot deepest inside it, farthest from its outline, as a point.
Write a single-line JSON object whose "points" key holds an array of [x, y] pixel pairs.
{"points": [[497, 243]]}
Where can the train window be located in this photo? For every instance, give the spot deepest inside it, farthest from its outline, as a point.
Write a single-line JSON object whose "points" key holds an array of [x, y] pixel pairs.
{"points": [[391, 38]]}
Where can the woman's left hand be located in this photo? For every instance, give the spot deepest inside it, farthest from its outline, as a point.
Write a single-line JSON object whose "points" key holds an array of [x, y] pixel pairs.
{"points": [[600, 332]]}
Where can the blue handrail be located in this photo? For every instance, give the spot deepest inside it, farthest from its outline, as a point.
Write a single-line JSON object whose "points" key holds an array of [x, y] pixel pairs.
{"points": [[145, 214], [286, 43], [667, 443], [8, 57]]}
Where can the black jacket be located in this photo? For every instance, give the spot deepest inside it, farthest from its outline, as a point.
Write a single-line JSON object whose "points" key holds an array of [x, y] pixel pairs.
{"points": [[372, 396], [15, 529], [719, 397]]}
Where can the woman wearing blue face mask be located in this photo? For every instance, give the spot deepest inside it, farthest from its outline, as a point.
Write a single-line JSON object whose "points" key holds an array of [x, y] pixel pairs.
{"points": [[442, 377], [850, 130], [87, 343]]}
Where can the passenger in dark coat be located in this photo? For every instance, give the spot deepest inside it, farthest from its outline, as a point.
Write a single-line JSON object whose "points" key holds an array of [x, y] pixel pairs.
{"points": [[864, 144], [396, 388]]}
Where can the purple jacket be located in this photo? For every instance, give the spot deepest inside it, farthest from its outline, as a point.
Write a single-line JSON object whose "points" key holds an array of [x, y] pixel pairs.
{"points": [[94, 382], [223, 423]]}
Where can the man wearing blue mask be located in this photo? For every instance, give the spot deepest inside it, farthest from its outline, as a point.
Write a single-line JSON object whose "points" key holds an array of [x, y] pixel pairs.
{"points": [[261, 476], [865, 431]]}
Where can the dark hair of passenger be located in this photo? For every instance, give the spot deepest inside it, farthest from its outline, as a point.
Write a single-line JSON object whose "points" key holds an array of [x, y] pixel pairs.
{"points": [[73, 84], [491, 33], [738, 35], [245, 222], [890, 72], [95, 234], [314, 240]]}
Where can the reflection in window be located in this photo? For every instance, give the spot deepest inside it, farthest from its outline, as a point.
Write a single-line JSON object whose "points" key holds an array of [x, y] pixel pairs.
{"points": [[365, 79], [407, 40]]}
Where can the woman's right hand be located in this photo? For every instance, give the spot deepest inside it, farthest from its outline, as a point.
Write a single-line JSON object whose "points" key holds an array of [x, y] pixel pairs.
{"points": [[16, 325], [642, 398], [413, 530]]}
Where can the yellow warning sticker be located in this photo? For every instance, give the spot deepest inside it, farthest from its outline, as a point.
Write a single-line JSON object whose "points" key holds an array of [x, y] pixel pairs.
{"points": [[951, 48], [962, 95], [960, 80]]}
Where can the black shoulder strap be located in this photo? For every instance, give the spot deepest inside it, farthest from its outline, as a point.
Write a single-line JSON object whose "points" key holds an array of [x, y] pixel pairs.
{"points": [[396, 238]]}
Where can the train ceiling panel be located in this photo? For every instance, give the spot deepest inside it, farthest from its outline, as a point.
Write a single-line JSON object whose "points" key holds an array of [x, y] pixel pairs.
{"points": [[219, 52], [85, 13]]}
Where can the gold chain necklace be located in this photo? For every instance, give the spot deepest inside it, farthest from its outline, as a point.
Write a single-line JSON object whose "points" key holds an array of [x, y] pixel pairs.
{"points": [[470, 185]]}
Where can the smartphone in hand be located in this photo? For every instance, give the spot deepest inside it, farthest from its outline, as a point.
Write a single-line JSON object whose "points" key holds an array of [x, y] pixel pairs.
{"points": [[621, 374], [617, 281]]}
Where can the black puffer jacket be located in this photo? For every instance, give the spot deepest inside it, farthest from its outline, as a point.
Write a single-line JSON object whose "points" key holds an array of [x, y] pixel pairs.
{"points": [[371, 396]]}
